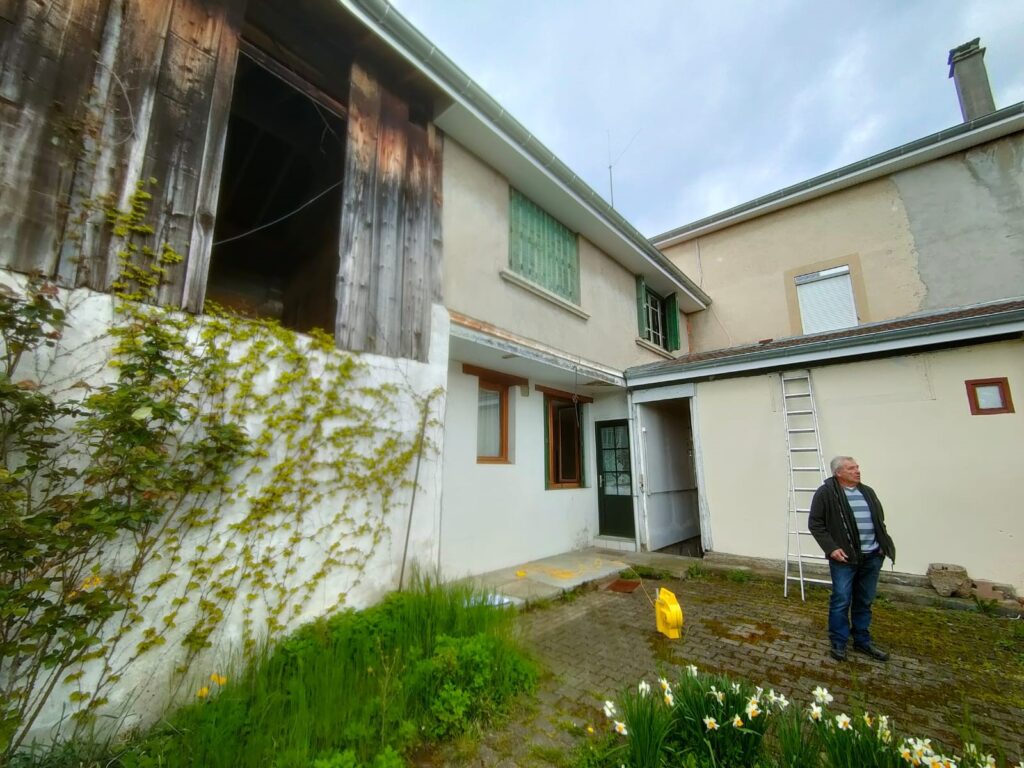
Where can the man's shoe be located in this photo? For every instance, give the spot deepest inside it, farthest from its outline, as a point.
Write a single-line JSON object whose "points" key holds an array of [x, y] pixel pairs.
{"points": [[871, 650], [838, 653]]}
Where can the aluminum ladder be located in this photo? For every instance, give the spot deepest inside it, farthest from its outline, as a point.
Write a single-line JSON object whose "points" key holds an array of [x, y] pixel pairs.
{"points": [[806, 473]]}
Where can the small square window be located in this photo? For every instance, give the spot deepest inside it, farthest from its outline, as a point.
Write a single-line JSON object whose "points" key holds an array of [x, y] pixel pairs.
{"points": [[657, 323], [988, 396], [492, 413], [826, 300]]}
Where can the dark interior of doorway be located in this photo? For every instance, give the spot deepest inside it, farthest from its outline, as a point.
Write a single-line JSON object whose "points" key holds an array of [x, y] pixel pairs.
{"points": [[275, 251], [686, 548]]}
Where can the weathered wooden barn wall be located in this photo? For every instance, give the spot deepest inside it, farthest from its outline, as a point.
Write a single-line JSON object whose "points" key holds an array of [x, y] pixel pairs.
{"points": [[390, 266], [96, 95]]}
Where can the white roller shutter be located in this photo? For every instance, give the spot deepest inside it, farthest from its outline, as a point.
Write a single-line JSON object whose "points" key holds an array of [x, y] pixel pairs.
{"points": [[826, 300]]}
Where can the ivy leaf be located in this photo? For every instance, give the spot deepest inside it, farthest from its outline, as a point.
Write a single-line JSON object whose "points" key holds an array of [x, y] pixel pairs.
{"points": [[143, 413]]}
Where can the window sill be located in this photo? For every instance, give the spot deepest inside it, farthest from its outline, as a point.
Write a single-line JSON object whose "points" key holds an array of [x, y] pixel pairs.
{"points": [[543, 293], [654, 348], [492, 460]]}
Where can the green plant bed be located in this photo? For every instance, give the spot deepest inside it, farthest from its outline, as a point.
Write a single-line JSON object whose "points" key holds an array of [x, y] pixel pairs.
{"points": [[353, 690]]}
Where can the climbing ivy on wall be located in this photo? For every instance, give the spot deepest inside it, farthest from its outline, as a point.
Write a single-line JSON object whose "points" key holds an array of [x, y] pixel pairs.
{"points": [[215, 469]]}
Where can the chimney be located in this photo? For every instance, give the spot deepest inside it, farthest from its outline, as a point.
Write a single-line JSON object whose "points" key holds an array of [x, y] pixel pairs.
{"points": [[967, 68]]}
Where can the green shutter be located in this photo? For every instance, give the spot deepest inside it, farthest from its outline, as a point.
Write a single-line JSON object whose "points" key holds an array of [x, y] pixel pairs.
{"points": [[641, 309], [541, 249], [672, 318]]}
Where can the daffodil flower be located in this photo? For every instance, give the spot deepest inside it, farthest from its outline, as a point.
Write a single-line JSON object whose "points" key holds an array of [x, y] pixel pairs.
{"points": [[620, 728], [669, 699], [737, 721], [609, 709], [720, 695], [663, 683], [752, 710], [203, 692], [868, 720], [644, 688], [822, 696], [692, 670], [735, 687], [710, 723], [843, 722], [815, 713]]}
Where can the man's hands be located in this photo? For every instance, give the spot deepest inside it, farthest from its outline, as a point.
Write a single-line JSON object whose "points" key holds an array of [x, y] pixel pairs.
{"points": [[838, 555]]}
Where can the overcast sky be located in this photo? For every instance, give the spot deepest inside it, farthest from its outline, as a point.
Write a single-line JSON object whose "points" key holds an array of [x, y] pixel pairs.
{"points": [[727, 100]]}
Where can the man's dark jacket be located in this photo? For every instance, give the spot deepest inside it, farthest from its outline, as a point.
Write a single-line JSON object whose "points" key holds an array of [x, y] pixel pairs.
{"points": [[834, 526]]}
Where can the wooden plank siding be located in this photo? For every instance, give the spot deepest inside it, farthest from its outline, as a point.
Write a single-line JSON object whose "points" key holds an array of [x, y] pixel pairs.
{"points": [[389, 257], [96, 95]]}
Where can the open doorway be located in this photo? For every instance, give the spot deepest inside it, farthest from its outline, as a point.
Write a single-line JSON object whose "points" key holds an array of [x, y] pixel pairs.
{"points": [[275, 252], [669, 498]]}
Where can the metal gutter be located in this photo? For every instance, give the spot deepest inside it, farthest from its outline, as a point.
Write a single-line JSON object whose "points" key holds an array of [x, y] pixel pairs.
{"points": [[408, 41], [946, 142], [834, 350]]}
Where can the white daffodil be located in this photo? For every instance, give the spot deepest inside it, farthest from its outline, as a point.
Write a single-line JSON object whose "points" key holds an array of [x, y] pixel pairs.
{"points": [[644, 688], [782, 701], [609, 709], [669, 699], [737, 721], [710, 723], [663, 683], [752, 709], [720, 695], [822, 696], [868, 720], [735, 687], [815, 713], [843, 722], [620, 728], [692, 669]]}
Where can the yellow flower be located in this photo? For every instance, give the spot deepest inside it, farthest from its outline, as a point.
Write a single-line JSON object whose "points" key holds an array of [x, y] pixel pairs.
{"points": [[737, 721], [218, 679], [620, 728], [711, 724], [203, 692], [590, 729]]}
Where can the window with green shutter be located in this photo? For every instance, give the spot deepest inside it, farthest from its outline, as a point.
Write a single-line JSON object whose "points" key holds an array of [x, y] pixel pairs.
{"points": [[657, 317], [541, 249]]}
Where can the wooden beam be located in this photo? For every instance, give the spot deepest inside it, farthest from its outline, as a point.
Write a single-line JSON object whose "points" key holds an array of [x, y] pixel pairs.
{"points": [[292, 78], [496, 376], [563, 394]]}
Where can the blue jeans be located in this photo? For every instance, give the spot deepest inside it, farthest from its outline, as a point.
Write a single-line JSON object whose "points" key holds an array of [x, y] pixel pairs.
{"points": [[853, 591]]}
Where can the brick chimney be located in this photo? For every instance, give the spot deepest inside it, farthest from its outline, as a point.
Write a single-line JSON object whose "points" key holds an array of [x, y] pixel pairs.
{"points": [[967, 68]]}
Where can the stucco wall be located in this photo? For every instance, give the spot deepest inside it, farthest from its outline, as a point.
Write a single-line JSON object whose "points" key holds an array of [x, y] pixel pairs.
{"points": [[476, 232], [142, 693], [748, 269], [498, 515], [949, 481], [966, 214]]}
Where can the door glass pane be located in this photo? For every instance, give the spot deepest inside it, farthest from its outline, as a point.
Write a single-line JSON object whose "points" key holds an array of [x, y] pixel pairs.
{"points": [[622, 460], [621, 437], [608, 460], [488, 428], [623, 484], [568, 445], [607, 437]]}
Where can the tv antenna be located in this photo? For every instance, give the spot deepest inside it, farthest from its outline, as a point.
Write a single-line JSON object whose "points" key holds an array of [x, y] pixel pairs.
{"points": [[612, 163]]}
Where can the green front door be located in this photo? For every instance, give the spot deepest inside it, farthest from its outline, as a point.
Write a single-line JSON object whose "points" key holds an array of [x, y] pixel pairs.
{"points": [[614, 480]]}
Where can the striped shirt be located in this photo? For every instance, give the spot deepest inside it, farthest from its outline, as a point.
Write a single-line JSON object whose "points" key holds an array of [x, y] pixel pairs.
{"points": [[862, 514]]}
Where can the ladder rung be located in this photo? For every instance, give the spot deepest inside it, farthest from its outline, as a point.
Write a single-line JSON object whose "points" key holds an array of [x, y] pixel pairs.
{"points": [[799, 413], [798, 509], [807, 490], [802, 431], [797, 394], [801, 533], [806, 469], [803, 450], [809, 581], [797, 378]]}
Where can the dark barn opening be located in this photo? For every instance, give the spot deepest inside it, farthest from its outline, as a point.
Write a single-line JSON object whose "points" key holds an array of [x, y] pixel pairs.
{"points": [[275, 252]]}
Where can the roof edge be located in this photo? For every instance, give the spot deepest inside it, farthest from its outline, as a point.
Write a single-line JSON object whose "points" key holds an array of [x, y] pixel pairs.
{"points": [[422, 53], [942, 331], [948, 141]]}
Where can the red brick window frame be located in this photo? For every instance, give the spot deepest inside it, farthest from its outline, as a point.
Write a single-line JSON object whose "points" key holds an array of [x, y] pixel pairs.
{"points": [[980, 396]]}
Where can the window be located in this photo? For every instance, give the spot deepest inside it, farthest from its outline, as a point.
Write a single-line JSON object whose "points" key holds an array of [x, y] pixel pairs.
{"points": [[826, 300], [986, 396], [492, 413], [563, 436], [541, 249], [657, 317]]}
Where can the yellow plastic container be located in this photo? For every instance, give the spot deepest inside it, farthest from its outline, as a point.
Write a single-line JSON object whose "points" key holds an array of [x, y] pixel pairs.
{"points": [[668, 614]]}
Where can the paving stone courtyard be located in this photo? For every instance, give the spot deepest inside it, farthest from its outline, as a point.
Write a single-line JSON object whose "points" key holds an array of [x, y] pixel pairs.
{"points": [[596, 642]]}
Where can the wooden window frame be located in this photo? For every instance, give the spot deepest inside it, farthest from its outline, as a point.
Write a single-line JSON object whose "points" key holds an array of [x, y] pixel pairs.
{"points": [[495, 381], [555, 399], [972, 395]]}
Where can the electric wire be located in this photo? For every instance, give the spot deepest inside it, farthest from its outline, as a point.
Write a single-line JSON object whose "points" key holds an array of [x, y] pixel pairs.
{"points": [[278, 220]]}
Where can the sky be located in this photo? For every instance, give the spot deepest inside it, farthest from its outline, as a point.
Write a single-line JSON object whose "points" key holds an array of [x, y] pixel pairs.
{"points": [[702, 106]]}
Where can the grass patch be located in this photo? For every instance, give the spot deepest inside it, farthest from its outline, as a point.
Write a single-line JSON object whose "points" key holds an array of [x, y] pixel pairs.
{"points": [[739, 576], [356, 690], [696, 571]]}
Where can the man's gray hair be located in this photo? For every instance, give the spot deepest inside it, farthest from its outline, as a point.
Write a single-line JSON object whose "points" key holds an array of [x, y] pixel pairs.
{"points": [[838, 461]]}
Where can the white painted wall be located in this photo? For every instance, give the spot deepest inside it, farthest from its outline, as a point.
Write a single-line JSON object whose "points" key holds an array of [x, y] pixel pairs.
{"points": [[949, 481], [143, 691], [499, 515]]}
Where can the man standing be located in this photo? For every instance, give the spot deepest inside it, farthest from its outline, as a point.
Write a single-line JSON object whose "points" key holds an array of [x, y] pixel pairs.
{"points": [[848, 524]]}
